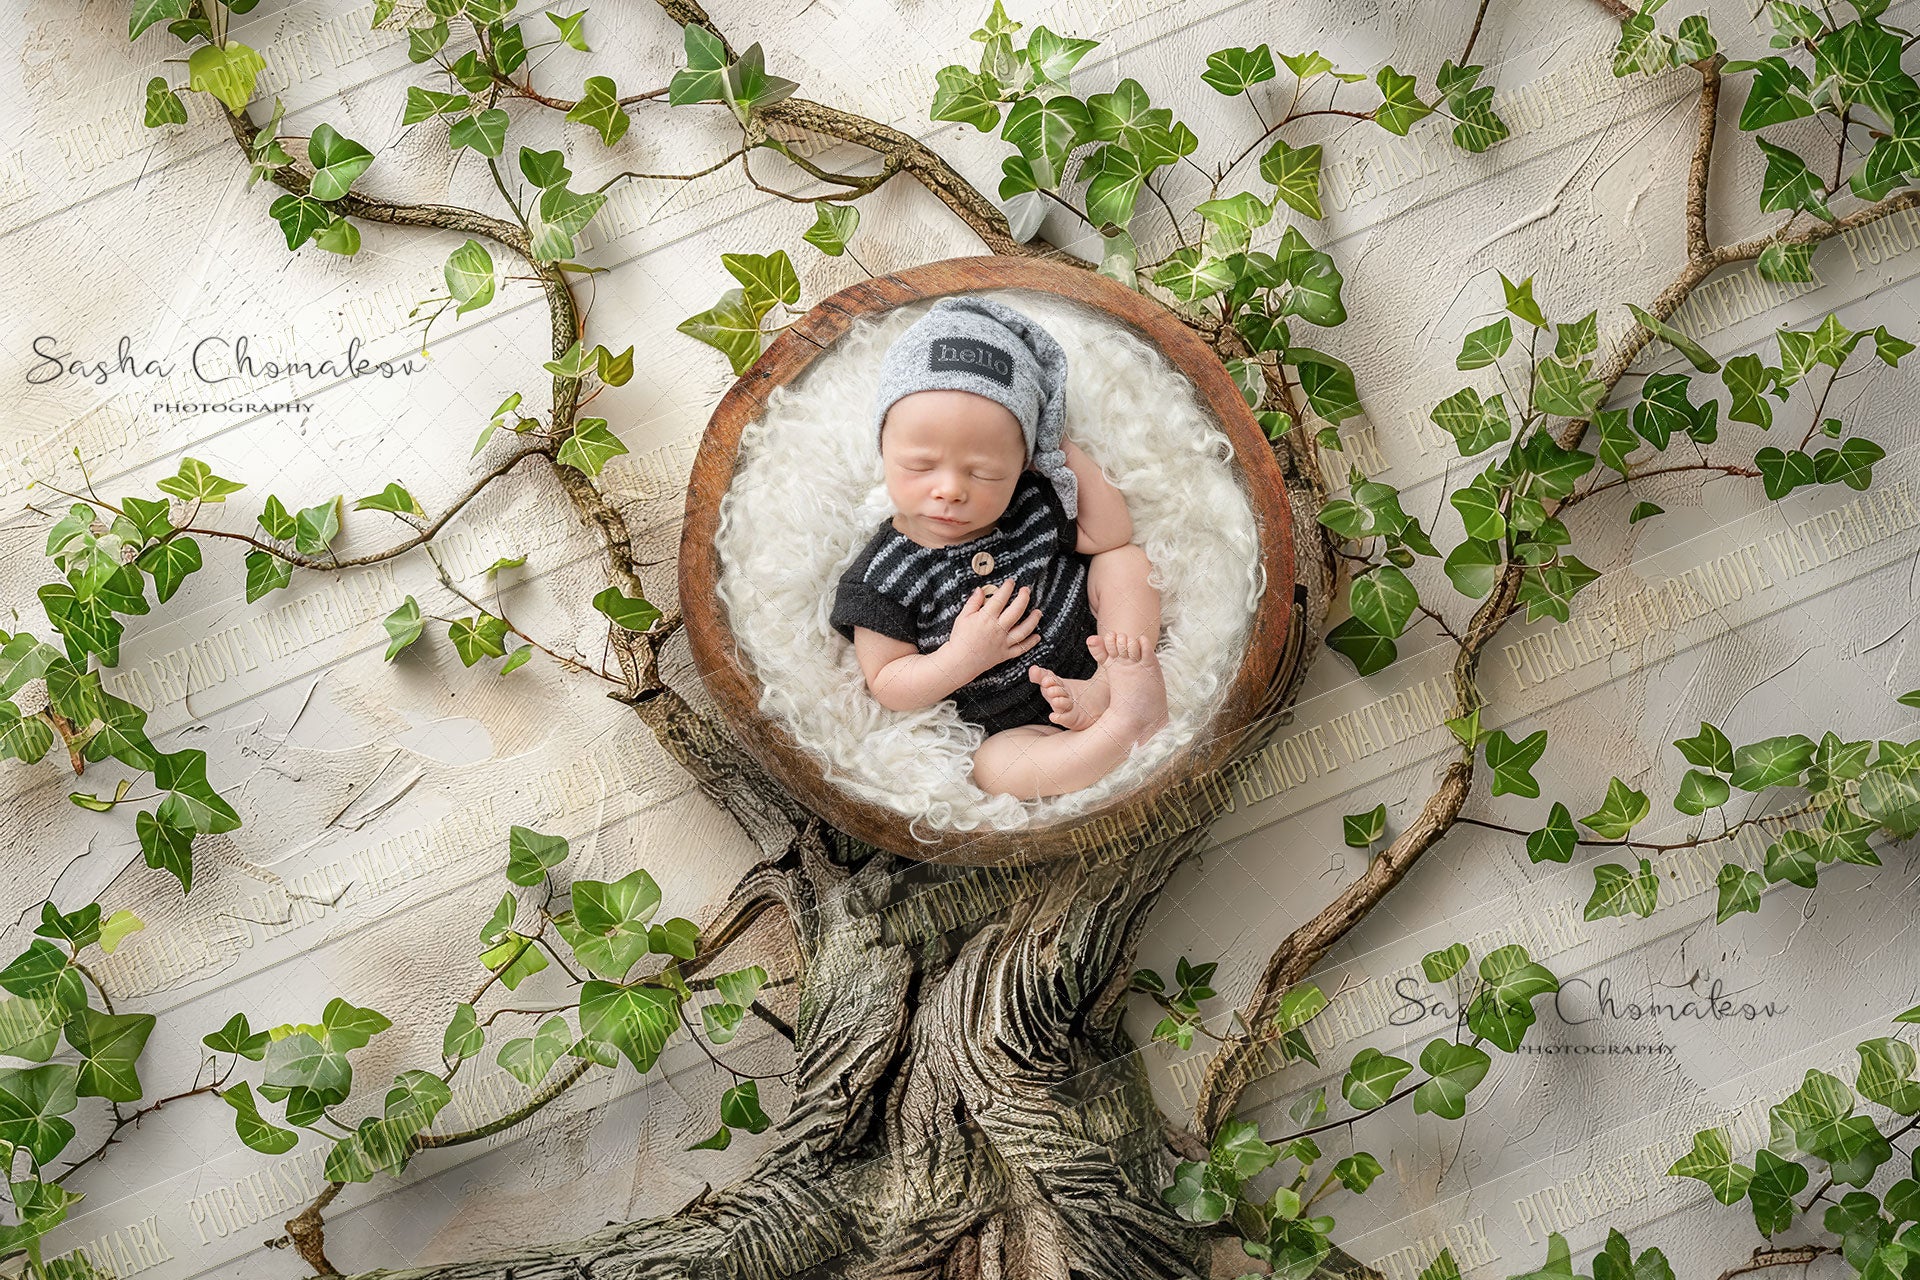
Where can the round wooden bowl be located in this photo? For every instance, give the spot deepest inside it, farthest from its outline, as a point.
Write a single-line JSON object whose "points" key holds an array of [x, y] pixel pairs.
{"points": [[1125, 817]]}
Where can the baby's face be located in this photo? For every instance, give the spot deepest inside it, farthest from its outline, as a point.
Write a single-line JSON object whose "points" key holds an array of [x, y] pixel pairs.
{"points": [[952, 459]]}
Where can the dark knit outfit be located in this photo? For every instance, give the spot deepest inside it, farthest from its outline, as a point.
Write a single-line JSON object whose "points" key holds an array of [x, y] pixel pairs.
{"points": [[913, 593]]}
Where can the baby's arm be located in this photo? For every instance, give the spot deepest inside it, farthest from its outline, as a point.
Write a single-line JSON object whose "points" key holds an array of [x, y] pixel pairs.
{"points": [[1103, 520], [985, 634]]}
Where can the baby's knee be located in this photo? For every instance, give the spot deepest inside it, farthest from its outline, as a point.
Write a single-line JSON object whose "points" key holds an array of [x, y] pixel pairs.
{"points": [[1129, 560]]}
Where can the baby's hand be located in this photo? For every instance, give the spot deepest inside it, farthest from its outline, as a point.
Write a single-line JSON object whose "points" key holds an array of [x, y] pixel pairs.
{"points": [[988, 632]]}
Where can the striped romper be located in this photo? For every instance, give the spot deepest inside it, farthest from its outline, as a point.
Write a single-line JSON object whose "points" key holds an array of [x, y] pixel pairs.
{"points": [[901, 589]]}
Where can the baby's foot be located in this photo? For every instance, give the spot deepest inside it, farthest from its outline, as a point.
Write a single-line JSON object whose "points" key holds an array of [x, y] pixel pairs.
{"points": [[1139, 692], [1076, 703]]}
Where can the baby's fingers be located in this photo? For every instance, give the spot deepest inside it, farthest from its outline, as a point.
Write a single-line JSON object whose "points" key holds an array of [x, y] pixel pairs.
{"points": [[974, 601], [1025, 626]]}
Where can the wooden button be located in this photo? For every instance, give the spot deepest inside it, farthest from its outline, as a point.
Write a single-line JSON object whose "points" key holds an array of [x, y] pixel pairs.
{"points": [[983, 563]]}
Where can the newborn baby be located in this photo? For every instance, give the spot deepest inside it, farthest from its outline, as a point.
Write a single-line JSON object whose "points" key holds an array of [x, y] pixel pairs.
{"points": [[1007, 579]]}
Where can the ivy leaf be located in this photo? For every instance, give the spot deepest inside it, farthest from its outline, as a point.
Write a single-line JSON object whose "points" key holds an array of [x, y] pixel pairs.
{"points": [[1788, 184], [1786, 263], [1400, 105], [1384, 600], [1617, 891], [464, 1036], [1641, 510], [1622, 810], [1778, 92], [557, 217], [515, 958], [191, 804], [1190, 277], [1233, 71], [1711, 1161], [1520, 301], [32, 1102], [1772, 762], [1453, 1070], [403, 627], [635, 1020], [767, 277], [109, 1046], [1748, 380], [571, 29], [746, 84], [968, 97], [336, 160], [1700, 792], [703, 79], [315, 527], [1295, 172], [612, 921], [425, 104], [1475, 425], [740, 1107], [1371, 1077], [1851, 464], [163, 105], [1555, 841], [170, 562], [1740, 890], [530, 855], [1512, 762], [1046, 130], [256, 1132], [1327, 381], [394, 498], [238, 1038], [166, 847], [833, 226], [1783, 472], [732, 326], [1566, 389], [629, 612], [424, 42], [1693, 351], [1473, 566], [591, 446], [228, 73], [1360, 830], [1641, 47], [531, 1058], [147, 12], [195, 482], [1367, 649], [1479, 508], [599, 108], [1485, 345], [477, 638]]}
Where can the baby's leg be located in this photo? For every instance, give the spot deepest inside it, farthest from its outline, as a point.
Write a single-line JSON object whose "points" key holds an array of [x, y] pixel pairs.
{"points": [[1032, 761], [1123, 601]]}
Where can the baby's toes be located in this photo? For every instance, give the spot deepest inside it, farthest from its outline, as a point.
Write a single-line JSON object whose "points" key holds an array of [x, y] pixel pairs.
{"points": [[1097, 646]]}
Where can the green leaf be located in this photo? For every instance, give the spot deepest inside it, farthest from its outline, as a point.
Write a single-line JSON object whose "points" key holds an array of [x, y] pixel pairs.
{"points": [[599, 108], [237, 1038], [557, 217], [315, 527], [1485, 345], [1512, 762], [674, 937], [1295, 172], [530, 855], [1851, 464], [403, 627], [767, 277], [964, 96], [1889, 348], [228, 73], [191, 804], [591, 446], [170, 562], [1641, 47], [1327, 381], [740, 1107], [703, 79], [1786, 263], [636, 1020], [256, 1132], [1479, 508], [166, 847], [1190, 277], [1711, 1161], [195, 482], [1520, 301], [1788, 184], [477, 638], [32, 1102], [1371, 1077], [1748, 380], [1441, 965], [1475, 425], [1700, 792], [464, 1037], [1567, 390], [1778, 92], [571, 29], [747, 86], [1400, 105], [1473, 566], [1234, 71], [163, 105], [515, 958], [393, 498], [109, 1046], [144, 13], [425, 104], [336, 160], [732, 326], [469, 276], [1772, 762], [1641, 510], [1617, 891], [1367, 649], [1453, 1070], [531, 1058], [1622, 810], [1554, 842], [424, 42], [1693, 351], [1046, 130], [612, 919], [1781, 472], [1362, 829], [1384, 600]]}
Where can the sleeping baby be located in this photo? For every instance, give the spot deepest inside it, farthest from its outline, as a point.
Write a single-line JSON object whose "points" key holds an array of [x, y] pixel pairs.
{"points": [[1007, 578]]}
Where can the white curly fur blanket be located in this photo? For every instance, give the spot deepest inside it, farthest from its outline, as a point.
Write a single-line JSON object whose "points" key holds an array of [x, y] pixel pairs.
{"points": [[808, 493]]}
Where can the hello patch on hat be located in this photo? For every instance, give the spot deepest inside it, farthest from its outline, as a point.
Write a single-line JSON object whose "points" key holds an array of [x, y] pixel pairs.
{"points": [[972, 355]]}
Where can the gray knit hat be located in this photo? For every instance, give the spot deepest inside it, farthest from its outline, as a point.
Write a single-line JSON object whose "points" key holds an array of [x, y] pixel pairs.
{"points": [[988, 348]]}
